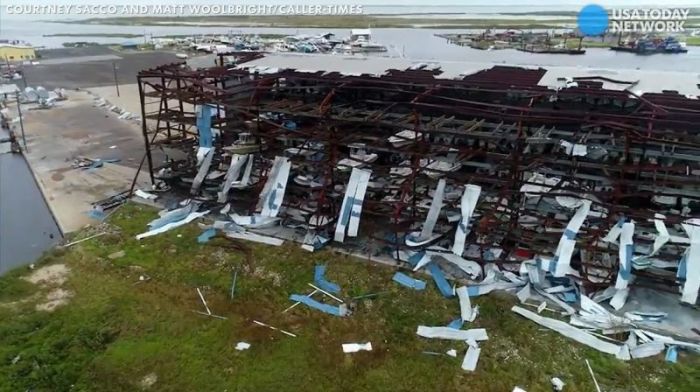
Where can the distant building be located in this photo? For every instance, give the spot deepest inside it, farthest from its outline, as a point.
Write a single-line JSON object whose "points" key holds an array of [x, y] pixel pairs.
{"points": [[11, 51]]}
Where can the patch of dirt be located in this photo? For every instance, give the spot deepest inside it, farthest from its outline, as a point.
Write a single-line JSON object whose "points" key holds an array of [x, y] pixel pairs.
{"points": [[148, 380], [15, 304], [262, 273], [101, 228], [55, 298], [57, 177], [51, 275]]}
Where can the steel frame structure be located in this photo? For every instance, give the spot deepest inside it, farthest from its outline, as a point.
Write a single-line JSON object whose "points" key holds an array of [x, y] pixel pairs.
{"points": [[500, 123]]}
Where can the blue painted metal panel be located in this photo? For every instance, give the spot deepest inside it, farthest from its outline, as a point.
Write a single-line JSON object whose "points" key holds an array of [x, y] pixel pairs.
{"points": [[206, 235], [456, 324], [439, 278], [312, 303], [415, 258], [204, 126], [672, 354], [320, 280], [570, 234], [626, 266], [170, 217], [407, 281]]}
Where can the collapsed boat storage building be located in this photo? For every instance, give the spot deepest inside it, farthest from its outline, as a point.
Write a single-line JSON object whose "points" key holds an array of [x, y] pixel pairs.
{"points": [[582, 173]]}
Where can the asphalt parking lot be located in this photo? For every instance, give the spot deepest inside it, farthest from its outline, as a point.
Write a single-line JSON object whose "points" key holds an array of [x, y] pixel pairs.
{"points": [[90, 67]]}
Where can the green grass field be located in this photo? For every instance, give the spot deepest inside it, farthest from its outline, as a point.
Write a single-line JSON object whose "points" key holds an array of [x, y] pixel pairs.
{"points": [[119, 335]]}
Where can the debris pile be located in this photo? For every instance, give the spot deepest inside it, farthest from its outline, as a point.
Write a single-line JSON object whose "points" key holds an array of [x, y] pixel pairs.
{"points": [[39, 95], [568, 198], [457, 173], [101, 102]]}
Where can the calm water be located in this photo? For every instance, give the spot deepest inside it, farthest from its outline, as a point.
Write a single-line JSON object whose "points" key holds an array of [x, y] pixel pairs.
{"points": [[418, 44], [27, 228]]}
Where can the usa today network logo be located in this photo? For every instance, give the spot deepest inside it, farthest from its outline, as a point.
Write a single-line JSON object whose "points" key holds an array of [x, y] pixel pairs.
{"points": [[593, 19]]}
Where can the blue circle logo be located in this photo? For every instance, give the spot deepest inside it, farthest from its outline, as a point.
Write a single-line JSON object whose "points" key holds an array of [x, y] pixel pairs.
{"points": [[592, 20]]}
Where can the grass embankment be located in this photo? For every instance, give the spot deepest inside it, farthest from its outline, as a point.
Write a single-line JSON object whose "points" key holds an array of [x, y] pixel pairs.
{"points": [[119, 335], [692, 41]]}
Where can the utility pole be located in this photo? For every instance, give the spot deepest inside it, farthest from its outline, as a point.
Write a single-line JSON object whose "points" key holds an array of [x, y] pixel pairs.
{"points": [[21, 122], [116, 81]]}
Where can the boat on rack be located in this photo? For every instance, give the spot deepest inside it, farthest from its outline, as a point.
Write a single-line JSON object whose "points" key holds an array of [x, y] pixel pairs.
{"points": [[403, 138], [359, 157], [307, 150], [309, 181], [439, 166], [246, 144]]}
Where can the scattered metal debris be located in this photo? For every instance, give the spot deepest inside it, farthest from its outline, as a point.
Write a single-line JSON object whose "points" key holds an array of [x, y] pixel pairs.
{"points": [[267, 240], [595, 382], [83, 240], [440, 281], [274, 328], [313, 242], [91, 164], [233, 282], [472, 356], [206, 235], [538, 167], [320, 280], [340, 311], [142, 279], [112, 202], [170, 221], [204, 302], [97, 214], [326, 293], [457, 323], [145, 195], [672, 354], [557, 384], [478, 334], [407, 281], [574, 333], [297, 303], [355, 347], [349, 218], [468, 314]]}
